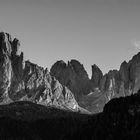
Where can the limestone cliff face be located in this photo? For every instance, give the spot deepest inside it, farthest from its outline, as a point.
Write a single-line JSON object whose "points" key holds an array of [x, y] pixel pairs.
{"points": [[23, 80], [6, 49], [126, 81], [134, 72]]}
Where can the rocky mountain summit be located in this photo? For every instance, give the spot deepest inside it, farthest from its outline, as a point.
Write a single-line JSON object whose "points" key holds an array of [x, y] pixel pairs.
{"points": [[22, 80], [74, 76]]}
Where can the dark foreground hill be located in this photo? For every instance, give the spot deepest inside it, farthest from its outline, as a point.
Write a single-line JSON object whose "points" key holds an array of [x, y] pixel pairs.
{"points": [[28, 121]]}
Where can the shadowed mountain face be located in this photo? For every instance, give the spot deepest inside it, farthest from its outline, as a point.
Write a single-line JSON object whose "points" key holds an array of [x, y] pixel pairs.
{"points": [[24, 120], [22, 80], [72, 75]]}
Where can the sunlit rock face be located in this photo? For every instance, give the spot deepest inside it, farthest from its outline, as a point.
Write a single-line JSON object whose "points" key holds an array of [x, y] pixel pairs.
{"points": [[6, 50], [23, 80]]}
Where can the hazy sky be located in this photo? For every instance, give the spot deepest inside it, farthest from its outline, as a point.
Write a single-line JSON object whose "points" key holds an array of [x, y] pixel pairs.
{"points": [[102, 32]]}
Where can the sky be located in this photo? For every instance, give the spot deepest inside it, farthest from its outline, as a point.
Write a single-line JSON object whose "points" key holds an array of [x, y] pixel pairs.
{"points": [[102, 32]]}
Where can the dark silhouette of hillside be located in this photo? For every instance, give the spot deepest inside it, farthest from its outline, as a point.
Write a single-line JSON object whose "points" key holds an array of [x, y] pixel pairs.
{"points": [[28, 121]]}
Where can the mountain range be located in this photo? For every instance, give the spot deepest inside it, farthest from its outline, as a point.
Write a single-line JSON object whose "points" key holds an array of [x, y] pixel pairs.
{"points": [[67, 85]]}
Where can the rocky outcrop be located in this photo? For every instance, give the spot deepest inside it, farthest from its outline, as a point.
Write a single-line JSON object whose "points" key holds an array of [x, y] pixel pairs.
{"points": [[97, 75], [126, 81], [72, 75], [134, 72], [22, 80], [5, 65]]}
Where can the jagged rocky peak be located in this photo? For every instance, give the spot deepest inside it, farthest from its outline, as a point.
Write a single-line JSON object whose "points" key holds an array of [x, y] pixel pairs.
{"points": [[73, 65], [78, 68], [108, 79], [4, 39], [73, 75], [134, 72], [134, 65], [8, 45], [135, 59], [124, 71], [8, 60], [16, 45], [96, 75], [124, 82], [58, 67], [130, 74]]}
